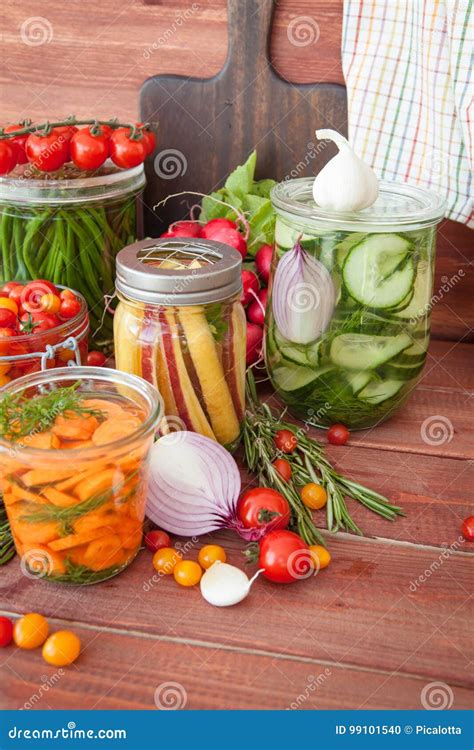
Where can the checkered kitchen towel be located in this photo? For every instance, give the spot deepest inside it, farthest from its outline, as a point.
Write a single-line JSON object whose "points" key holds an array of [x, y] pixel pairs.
{"points": [[407, 65]]}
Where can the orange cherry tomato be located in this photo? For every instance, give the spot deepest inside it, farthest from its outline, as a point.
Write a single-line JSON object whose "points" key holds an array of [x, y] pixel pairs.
{"points": [[187, 573], [61, 648], [320, 556], [211, 553], [283, 468], [50, 303], [165, 560], [30, 631], [9, 304], [314, 496]]}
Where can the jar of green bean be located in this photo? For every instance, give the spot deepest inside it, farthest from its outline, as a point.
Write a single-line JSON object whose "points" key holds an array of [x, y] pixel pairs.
{"points": [[68, 230]]}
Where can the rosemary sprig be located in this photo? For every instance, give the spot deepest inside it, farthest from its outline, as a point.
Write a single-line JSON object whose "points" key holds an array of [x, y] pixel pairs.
{"points": [[7, 545], [309, 463]]}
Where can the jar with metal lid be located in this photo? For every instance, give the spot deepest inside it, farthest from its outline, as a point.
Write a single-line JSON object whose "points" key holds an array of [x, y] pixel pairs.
{"points": [[68, 230], [180, 325], [348, 341]]}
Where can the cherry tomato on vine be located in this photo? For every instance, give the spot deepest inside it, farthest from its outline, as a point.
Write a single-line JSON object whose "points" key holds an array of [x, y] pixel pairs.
{"points": [[314, 496], [285, 441], [187, 573], [467, 529], [30, 631], [285, 557], [69, 308], [8, 318], [89, 151], [98, 359], [211, 553], [47, 152], [338, 434], [67, 131], [156, 539], [19, 141], [61, 648], [6, 631], [283, 468], [150, 140], [261, 506], [127, 152], [8, 156]]}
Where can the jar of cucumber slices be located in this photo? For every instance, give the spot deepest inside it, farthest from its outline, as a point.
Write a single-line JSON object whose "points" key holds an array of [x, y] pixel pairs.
{"points": [[347, 341]]}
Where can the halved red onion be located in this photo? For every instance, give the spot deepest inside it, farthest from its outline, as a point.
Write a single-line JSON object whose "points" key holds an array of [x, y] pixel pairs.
{"points": [[303, 296], [194, 487]]}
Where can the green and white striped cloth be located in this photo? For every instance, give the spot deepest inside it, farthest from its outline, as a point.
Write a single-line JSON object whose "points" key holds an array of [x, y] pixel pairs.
{"points": [[407, 65]]}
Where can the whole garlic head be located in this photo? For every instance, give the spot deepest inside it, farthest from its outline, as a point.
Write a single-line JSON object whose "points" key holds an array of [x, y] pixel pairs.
{"points": [[346, 183]]}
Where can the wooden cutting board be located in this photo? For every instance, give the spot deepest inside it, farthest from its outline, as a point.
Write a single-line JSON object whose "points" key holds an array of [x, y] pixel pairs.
{"points": [[206, 127]]}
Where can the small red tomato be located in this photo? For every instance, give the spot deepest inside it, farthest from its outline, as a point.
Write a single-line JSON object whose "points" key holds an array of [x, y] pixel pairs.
{"points": [[126, 152], [19, 141], [47, 152], [67, 294], [6, 631], [5, 335], [149, 139], [283, 468], [157, 539], [262, 506], [338, 434], [89, 151], [70, 307], [8, 318], [39, 321], [8, 156], [284, 557], [10, 286], [286, 441], [66, 130], [97, 359], [467, 529]]}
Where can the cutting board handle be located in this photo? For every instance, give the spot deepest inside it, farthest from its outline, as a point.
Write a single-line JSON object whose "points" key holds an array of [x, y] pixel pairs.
{"points": [[249, 31]]}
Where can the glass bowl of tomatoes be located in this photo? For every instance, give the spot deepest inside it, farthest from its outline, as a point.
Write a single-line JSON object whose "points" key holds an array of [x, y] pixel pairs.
{"points": [[41, 326]]}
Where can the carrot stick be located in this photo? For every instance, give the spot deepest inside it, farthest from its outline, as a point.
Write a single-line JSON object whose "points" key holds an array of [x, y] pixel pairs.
{"points": [[74, 540], [97, 483], [59, 498], [37, 477]]}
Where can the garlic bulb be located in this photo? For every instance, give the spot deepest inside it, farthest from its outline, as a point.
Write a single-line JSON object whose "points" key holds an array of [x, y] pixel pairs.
{"points": [[346, 183]]}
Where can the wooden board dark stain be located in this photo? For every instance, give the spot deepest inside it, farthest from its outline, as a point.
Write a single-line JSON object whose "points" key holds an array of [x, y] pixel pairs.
{"points": [[211, 125]]}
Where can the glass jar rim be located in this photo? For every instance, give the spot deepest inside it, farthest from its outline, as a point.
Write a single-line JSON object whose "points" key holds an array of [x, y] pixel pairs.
{"points": [[412, 207], [70, 191], [117, 377]]}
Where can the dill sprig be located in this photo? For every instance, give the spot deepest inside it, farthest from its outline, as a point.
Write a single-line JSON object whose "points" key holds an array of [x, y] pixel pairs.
{"points": [[7, 545]]}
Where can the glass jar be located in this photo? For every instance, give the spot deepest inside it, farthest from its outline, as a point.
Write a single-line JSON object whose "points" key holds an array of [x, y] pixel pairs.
{"points": [[374, 305], [68, 230], [67, 342], [76, 511], [180, 325]]}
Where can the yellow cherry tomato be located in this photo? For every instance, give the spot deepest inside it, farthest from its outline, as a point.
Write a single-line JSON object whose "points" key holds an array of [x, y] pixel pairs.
{"points": [[61, 648], [50, 303], [209, 554], [9, 304], [4, 379], [165, 560], [30, 631], [66, 354], [187, 573], [320, 555], [314, 496]]}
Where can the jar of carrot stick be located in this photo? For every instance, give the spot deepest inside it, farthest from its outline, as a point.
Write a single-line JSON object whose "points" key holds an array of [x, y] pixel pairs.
{"points": [[74, 447], [180, 325]]}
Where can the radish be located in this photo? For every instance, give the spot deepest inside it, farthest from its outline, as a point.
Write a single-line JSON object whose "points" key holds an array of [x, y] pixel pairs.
{"points": [[250, 286], [208, 230], [263, 261], [254, 343], [183, 229], [256, 309], [232, 237]]}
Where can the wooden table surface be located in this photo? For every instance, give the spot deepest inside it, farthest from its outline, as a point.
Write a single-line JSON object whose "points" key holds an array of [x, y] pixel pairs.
{"points": [[390, 616]]}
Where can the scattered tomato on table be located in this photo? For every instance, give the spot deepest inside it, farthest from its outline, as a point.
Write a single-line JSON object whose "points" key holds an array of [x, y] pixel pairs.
{"points": [[6, 631], [286, 441], [338, 434], [165, 560], [61, 648], [314, 496], [320, 556], [467, 529], [157, 539], [260, 506], [283, 468], [284, 557], [211, 553], [187, 573], [30, 631]]}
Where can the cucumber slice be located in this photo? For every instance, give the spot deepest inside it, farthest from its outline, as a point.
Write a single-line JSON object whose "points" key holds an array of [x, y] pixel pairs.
{"points": [[419, 304], [376, 392], [293, 378], [358, 351], [307, 356], [401, 371], [379, 272], [358, 380], [415, 353], [286, 236]]}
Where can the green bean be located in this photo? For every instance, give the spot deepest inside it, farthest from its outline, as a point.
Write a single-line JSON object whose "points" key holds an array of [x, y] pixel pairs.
{"points": [[6, 240]]}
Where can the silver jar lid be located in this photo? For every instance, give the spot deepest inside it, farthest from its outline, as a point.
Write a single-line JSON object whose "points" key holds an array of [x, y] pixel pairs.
{"points": [[141, 278]]}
